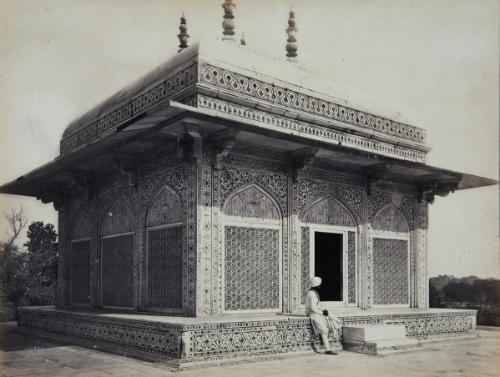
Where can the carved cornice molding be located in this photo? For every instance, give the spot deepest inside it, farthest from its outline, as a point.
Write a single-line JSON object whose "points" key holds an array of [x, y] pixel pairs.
{"points": [[308, 130]]}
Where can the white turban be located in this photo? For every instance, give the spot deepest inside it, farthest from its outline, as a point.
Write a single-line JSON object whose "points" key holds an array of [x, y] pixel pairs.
{"points": [[315, 281]]}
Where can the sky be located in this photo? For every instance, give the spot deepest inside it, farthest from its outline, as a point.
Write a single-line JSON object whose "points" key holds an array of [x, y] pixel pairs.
{"points": [[433, 64]]}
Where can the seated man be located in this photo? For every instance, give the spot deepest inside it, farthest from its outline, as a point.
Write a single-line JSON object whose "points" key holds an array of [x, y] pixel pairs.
{"points": [[322, 323]]}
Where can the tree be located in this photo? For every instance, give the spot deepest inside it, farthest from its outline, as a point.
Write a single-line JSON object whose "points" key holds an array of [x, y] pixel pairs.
{"points": [[11, 261], [41, 263]]}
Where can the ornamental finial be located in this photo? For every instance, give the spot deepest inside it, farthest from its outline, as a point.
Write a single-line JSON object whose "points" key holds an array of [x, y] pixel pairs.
{"points": [[183, 35], [228, 22], [243, 40], [291, 46]]}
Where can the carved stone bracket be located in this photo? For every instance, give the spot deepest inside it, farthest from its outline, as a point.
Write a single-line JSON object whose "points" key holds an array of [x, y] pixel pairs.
{"points": [[431, 186], [127, 170], [193, 143], [84, 181], [52, 194], [302, 160], [375, 174], [224, 142]]}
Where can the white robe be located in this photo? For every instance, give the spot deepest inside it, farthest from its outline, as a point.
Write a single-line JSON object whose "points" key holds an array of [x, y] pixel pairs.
{"points": [[321, 324]]}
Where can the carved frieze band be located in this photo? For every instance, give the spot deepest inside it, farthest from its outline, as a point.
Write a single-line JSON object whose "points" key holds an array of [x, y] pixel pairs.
{"points": [[277, 95], [310, 130]]}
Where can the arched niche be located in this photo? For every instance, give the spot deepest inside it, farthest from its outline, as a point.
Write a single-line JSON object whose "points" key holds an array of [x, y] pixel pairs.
{"points": [[165, 239], [328, 211], [252, 201], [82, 224], [390, 219], [119, 219], [252, 251], [165, 208], [117, 257], [80, 251]]}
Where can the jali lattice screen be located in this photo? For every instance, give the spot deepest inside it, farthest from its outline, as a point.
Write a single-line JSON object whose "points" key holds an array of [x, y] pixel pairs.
{"points": [[252, 268], [80, 272], [165, 267], [390, 271], [117, 271]]}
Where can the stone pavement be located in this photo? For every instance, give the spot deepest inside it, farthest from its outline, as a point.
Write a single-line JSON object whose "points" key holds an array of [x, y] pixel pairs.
{"points": [[29, 356]]}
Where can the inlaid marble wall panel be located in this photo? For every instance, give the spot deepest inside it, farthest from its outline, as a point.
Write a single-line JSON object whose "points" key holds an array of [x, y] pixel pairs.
{"points": [[251, 188], [118, 272], [167, 198]]}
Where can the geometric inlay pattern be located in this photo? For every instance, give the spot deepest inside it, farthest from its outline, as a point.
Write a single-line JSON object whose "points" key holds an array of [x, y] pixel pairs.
{"points": [[80, 272], [351, 267], [252, 268], [390, 271], [117, 271], [165, 267]]}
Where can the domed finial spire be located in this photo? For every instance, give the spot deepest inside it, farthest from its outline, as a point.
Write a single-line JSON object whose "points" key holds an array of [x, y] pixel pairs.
{"points": [[183, 35], [291, 46], [228, 23]]}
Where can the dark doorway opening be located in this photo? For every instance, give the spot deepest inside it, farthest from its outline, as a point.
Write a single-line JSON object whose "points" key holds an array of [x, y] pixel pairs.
{"points": [[328, 265]]}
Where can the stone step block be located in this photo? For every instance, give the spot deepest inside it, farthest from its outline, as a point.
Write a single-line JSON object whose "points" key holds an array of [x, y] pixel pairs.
{"points": [[368, 333]]}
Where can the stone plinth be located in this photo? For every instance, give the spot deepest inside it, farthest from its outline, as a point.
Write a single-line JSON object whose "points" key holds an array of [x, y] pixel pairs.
{"points": [[186, 341]]}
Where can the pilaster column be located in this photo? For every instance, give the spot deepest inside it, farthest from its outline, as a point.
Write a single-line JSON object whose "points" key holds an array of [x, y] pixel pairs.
{"points": [[422, 283]]}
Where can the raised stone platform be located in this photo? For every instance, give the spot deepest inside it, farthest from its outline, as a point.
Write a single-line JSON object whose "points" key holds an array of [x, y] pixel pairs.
{"points": [[184, 342]]}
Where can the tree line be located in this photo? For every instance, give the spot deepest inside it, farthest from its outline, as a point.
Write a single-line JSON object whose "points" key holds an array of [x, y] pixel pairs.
{"points": [[468, 292], [28, 272]]}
